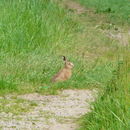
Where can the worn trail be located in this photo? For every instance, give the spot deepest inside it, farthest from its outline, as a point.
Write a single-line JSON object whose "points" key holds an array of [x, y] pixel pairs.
{"points": [[57, 112]]}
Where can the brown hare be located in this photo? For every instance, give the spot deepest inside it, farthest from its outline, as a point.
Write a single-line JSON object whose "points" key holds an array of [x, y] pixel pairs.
{"points": [[64, 73]]}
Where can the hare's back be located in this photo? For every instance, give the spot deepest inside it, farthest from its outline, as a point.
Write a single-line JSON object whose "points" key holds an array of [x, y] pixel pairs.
{"points": [[59, 76], [64, 74]]}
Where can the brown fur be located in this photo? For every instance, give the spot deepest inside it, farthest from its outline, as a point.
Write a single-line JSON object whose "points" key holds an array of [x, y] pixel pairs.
{"points": [[65, 73]]}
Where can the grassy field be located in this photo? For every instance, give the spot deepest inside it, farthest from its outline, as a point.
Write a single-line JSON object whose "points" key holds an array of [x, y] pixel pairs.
{"points": [[32, 33], [36, 33], [117, 11], [33, 39], [111, 110]]}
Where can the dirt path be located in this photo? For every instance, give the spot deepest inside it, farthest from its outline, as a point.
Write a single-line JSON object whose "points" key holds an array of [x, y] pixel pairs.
{"points": [[120, 35], [58, 112], [74, 6]]}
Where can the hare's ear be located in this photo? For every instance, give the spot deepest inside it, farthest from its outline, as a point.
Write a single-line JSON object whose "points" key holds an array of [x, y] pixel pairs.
{"points": [[64, 58]]}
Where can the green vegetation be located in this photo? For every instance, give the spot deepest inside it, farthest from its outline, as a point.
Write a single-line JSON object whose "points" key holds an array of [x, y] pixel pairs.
{"points": [[36, 33], [117, 11], [111, 110], [34, 36]]}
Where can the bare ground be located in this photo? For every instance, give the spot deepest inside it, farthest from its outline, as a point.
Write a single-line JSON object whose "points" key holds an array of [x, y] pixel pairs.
{"points": [[74, 6], [121, 36], [53, 112]]}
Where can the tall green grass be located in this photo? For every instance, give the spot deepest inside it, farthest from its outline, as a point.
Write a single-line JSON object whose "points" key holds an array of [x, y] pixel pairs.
{"points": [[27, 25], [111, 110], [117, 11], [33, 36]]}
